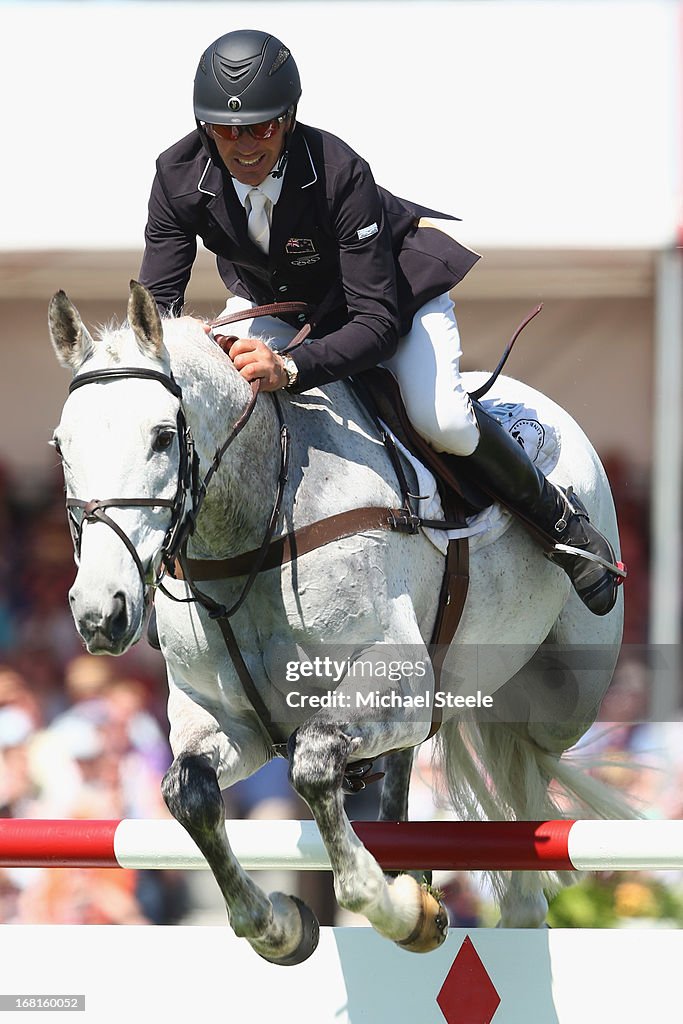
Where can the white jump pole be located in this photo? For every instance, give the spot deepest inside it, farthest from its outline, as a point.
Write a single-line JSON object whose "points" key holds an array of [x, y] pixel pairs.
{"points": [[296, 845]]}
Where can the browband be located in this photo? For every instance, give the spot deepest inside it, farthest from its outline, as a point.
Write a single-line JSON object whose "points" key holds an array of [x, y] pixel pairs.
{"points": [[127, 371]]}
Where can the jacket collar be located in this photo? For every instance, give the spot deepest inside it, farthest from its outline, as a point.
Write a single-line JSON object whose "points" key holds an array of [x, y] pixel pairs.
{"points": [[225, 206], [210, 180], [301, 169]]}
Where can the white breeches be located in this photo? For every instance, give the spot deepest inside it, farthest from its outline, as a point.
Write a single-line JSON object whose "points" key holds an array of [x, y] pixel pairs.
{"points": [[426, 365]]}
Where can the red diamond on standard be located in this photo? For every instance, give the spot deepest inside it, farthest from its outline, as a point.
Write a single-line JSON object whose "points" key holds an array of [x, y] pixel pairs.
{"points": [[468, 995]]}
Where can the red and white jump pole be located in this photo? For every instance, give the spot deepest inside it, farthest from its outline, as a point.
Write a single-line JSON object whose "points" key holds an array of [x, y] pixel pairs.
{"points": [[439, 845], [478, 976]]}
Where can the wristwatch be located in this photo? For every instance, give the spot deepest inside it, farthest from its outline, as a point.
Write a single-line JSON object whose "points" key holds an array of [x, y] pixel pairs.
{"points": [[291, 369]]}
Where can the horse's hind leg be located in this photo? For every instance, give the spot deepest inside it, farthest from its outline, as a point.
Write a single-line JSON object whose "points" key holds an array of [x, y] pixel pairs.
{"points": [[280, 928], [393, 804], [398, 908], [522, 906]]}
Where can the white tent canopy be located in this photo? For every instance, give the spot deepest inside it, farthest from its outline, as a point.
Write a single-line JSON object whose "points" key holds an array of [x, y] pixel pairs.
{"points": [[541, 124]]}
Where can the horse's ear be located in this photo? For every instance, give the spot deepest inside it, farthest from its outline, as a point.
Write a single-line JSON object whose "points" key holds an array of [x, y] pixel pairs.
{"points": [[69, 336], [143, 317]]}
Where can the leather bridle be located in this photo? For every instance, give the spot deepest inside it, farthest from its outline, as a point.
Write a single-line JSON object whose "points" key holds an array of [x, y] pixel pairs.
{"points": [[190, 490], [94, 509]]}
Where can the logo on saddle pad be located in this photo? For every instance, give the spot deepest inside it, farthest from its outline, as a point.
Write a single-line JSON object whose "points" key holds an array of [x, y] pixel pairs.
{"points": [[530, 434]]}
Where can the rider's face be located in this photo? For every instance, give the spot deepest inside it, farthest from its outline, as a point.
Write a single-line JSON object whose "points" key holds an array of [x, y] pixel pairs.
{"points": [[248, 159]]}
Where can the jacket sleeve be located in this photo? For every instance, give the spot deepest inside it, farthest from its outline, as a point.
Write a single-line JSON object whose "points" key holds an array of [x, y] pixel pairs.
{"points": [[170, 251], [368, 280]]}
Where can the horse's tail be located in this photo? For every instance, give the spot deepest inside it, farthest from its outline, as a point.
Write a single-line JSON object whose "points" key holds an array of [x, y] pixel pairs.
{"points": [[495, 771]]}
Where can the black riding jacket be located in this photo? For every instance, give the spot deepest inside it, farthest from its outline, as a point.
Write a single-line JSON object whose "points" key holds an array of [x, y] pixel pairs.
{"points": [[336, 238]]}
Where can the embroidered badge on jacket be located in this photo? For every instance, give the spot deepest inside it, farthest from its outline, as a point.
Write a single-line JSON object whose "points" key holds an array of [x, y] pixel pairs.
{"points": [[304, 251]]}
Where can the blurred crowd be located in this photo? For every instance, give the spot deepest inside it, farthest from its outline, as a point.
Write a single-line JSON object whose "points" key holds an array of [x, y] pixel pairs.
{"points": [[86, 737]]}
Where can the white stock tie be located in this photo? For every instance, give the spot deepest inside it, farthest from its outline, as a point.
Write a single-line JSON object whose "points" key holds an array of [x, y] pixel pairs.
{"points": [[258, 227]]}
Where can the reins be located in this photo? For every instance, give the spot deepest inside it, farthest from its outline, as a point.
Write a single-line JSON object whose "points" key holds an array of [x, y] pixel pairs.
{"points": [[488, 384], [178, 568], [273, 309]]}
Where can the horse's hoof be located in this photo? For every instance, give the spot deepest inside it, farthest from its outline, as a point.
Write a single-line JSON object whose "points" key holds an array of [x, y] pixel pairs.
{"points": [[310, 930], [432, 926]]}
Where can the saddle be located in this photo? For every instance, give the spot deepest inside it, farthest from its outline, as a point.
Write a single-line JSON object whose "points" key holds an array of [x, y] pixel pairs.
{"points": [[378, 389]]}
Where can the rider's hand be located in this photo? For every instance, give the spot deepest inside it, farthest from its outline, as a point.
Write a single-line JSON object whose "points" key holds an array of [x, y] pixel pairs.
{"points": [[253, 358]]}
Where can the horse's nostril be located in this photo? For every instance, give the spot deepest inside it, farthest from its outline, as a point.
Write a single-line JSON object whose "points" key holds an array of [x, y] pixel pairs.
{"points": [[118, 620]]}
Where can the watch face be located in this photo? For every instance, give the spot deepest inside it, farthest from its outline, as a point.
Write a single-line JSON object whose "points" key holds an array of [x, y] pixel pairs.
{"points": [[291, 370]]}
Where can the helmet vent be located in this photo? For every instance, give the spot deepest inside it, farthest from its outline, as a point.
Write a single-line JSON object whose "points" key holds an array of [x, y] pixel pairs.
{"points": [[282, 55], [235, 71]]}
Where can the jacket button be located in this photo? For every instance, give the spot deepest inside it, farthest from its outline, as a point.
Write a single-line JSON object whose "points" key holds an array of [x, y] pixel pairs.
{"points": [[282, 288], [301, 318]]}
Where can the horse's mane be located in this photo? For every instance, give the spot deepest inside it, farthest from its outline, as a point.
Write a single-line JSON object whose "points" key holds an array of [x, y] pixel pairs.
{"points": [[193, 357]]}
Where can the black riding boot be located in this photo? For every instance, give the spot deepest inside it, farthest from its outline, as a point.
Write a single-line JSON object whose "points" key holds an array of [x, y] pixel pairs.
{"points": [[500, 467]]}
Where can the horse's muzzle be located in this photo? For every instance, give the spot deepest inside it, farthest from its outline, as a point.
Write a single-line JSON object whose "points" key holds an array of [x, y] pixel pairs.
{"points": [[108, 629]]}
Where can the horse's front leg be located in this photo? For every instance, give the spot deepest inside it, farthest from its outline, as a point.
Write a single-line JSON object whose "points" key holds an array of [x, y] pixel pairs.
{"points": [[280, 928], [398, 908]]}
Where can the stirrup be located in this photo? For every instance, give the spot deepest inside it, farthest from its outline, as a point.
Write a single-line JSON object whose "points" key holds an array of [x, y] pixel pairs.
{"points": [[575, 507], [617, 569]]}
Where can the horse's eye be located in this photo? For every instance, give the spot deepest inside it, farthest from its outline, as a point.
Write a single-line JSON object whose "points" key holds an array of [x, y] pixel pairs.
{"points": [[54, 443], [163, 440]]}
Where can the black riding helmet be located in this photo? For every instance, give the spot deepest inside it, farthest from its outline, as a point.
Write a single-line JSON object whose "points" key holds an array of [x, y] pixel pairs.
{"points": [[245, 77]]}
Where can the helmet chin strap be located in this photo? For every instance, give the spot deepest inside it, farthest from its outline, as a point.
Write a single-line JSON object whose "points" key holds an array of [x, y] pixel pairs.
{"points": [[279, 168]]}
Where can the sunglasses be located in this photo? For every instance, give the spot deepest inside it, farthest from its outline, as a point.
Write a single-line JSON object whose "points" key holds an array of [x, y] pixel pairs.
{"points": [[262, 130]]}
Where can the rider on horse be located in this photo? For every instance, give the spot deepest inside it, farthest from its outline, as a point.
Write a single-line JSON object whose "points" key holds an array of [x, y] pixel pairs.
{"points": [[292, 213]]}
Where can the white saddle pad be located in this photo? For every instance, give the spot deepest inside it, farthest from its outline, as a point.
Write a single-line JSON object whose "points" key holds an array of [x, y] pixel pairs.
{"points": [[542, 443]]}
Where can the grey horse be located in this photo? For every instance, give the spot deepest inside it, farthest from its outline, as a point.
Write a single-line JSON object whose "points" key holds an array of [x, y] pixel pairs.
{"points": [[150, 405]]}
